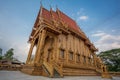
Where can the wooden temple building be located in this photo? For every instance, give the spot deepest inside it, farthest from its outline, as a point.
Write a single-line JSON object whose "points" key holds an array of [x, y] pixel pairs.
{"points": [[10, 65], [60, 48]]}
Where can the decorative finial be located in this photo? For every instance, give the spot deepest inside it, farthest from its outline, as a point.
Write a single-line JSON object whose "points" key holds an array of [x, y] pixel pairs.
{"points": [[57, 8], [41, 3], [50, 7]]}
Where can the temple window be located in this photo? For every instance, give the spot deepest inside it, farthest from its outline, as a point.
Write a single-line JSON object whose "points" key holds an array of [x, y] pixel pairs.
{"points": [[89, 60], [84, 59], [78, 57], [62, 53], [103, 69], [48, 58], [71, 56]]}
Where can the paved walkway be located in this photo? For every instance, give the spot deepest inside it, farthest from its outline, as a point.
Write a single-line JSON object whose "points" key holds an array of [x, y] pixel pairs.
{"points": [[16, 75]]}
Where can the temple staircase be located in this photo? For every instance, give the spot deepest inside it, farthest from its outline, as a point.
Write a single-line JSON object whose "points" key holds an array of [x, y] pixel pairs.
{"points": [[58, 68], [52, 69], [48, 68]]}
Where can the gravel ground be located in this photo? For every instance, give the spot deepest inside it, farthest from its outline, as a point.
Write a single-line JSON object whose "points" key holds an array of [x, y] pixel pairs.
{"points": [[16, 75]]}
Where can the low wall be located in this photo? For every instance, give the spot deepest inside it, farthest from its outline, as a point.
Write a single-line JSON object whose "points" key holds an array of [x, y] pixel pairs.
{"points": [[114, 73], [10, 67]]}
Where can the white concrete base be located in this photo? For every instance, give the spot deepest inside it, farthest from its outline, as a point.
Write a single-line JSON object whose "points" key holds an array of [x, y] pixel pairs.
{"points": [[16, 75]]}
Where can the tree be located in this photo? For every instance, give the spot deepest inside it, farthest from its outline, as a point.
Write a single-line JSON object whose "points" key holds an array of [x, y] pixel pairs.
{"points": [[0, 57], [9, 54], [111, 58]]}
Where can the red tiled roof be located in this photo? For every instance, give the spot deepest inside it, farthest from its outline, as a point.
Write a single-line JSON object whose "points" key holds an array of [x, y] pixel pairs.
{"points": [[48, 15], [72, 24], [55, 16]]}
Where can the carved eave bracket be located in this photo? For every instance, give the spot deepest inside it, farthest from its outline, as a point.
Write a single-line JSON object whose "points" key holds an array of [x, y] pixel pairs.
{"points": [[53, 30]]}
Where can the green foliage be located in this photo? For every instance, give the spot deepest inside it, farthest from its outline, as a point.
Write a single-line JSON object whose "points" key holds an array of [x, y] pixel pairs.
{"points": [[111, 58], [0, 57], [9, 54]]}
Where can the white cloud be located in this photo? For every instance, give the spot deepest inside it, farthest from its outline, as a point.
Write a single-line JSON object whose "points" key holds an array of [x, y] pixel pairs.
{"points": [[83, 18], [106, 41], [81, 15], [98, 34], [21, 51]]}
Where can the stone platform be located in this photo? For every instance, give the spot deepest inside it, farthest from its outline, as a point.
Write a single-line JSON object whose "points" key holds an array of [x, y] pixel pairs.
{"points": [[16, 75]]}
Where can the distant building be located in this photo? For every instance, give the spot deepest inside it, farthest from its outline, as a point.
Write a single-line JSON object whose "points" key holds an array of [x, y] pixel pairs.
{"points": [[62, 48], [10, 65]]}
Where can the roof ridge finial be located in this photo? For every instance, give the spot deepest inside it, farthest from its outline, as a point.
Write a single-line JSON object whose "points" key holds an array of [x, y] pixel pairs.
{"points": [[57, 8], [50, 7], [41, 3]]}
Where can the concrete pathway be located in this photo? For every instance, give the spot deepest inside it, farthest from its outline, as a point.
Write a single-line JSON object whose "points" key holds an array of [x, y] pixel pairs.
{"points": [[16, 75]]}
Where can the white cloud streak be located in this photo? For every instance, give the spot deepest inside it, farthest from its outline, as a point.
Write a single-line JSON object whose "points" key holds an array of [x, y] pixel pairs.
{"points": [[106, 41], [83, 17], [98, 34]]}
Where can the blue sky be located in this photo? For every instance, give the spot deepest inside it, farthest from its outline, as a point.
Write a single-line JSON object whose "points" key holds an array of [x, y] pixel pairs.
{"points": [[99, 19]]}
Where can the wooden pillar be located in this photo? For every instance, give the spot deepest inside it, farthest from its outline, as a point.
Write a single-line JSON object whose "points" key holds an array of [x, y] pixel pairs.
{"points": [[83, 48], [91, 59], [94, 60], [39, 46], [73, 47], [87, 57], [81, 58], [81, 52], [67, 56], [75, 57], [46, 53], [30, 52], [57, 48], [54, 48], [67, 48], [57, 54]]}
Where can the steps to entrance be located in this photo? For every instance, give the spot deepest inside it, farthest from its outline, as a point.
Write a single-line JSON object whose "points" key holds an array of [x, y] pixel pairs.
{"points": [[79, 72], [52, 69], [48, 68]]}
